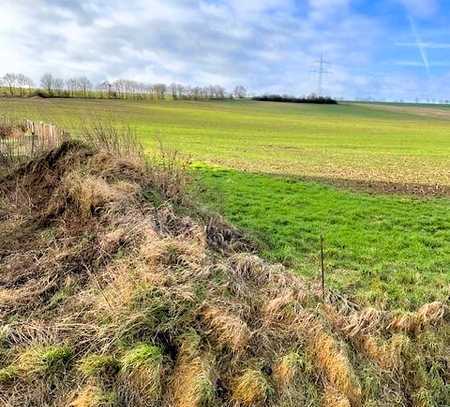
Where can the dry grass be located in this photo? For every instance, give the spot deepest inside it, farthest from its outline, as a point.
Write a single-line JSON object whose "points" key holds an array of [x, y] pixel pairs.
{"points": [[93, 396], [229, 330], [192, 378], [332, 360], [252, 388], [333, 398], [115, 300], [286, 369]]}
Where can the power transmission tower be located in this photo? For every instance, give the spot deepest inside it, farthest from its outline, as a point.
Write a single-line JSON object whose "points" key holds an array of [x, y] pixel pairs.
{"points": [[321, 71]]}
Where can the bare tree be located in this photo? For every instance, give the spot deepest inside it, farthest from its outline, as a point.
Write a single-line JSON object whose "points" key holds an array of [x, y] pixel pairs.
{"points": [[58, 85], [10, 80], [85, 85], [240, 92], [25, 82], [106, 86], [48, 82]]}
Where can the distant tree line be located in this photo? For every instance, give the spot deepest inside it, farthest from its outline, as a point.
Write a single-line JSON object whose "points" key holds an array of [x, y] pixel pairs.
{"points": [[323, 100], [13, 84]]}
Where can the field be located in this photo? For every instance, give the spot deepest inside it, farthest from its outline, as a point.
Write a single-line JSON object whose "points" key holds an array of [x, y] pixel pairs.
{"points": [[288, 173]]}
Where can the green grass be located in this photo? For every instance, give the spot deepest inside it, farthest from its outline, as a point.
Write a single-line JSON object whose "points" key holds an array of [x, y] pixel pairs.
{"points": [[390, 250], [343, 141], [393, 251]]}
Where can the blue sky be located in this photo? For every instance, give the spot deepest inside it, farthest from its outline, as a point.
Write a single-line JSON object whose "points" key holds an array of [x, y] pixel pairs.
{"points": [[385, 49]]}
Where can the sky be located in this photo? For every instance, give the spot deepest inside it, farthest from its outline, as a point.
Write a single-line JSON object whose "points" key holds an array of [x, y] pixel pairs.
{"points": [[380, 49]]}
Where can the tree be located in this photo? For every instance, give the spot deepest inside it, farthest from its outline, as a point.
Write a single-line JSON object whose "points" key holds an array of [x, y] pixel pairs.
{"points": [[25, 82], [160, 90], [240, 92], [85, 85], [58, 85], [48, 83], [105, 86], [10, 80], [72, 86]]}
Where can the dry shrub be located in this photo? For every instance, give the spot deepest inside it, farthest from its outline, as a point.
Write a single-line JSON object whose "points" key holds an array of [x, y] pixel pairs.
{"points": [[169, 174], [115, 141], [332, 361], [229, 330], [251, 388]]}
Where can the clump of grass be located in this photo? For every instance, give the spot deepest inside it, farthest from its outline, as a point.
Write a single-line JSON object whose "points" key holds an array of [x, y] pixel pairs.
{"points": [[192, 382], [90, 192], [285, 370], [43, 360], [252, 388], [8, 373], [94, 396], [99, 365], [414, 322], [334, 364], [229, 329], [142, 369], [332, 398]]}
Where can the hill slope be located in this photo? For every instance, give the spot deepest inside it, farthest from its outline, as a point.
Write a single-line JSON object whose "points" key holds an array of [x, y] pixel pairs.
{"points": [[109, 298]]}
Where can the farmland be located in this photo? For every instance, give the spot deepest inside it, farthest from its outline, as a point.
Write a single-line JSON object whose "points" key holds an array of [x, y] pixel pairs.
{"points": [[287, 173]]}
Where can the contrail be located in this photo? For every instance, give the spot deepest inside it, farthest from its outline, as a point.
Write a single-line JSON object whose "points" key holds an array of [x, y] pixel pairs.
{"points": [[420, 45]]}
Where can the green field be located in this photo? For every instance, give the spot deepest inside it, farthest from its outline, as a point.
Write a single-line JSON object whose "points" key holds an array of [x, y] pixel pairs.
{"points": [[257, 162]]}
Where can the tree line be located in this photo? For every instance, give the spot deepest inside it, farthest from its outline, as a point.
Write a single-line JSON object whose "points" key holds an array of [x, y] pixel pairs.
{"points": [[313, 98], [14, 84]]}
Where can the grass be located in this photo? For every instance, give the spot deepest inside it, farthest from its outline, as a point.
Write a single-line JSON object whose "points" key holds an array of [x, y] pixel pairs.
{"points": [[393, 251], [136, 330], [345, 141]]}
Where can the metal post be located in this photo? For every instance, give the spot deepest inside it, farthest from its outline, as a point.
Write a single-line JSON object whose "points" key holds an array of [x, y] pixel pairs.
{"points": [[322, 268]]}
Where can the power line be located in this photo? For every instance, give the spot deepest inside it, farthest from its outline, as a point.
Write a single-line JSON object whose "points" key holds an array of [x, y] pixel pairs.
{"points": [[321, 71]]}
